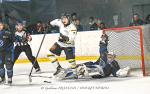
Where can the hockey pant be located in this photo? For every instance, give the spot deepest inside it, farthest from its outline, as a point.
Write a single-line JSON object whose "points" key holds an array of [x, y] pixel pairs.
{"points": [[26, 48]]}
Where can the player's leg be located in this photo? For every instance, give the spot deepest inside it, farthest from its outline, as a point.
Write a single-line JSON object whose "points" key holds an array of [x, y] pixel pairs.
{"points": [[9, 65], [17, 52], [28, 52], [70, 57], [2, 69], [55, 50]]}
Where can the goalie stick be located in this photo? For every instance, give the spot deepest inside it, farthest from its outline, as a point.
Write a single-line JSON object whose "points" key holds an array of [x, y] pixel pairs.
{"points": [[41, 76]]}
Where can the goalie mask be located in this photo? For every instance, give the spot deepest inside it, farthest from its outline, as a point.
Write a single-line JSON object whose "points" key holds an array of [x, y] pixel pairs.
{"points": [[111, 56]]}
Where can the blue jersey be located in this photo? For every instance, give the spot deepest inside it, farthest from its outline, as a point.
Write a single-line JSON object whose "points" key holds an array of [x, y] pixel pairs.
{"points": [[6, 41]]}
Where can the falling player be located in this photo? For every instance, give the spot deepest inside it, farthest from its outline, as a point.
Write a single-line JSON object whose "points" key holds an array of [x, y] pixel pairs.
{"points": [[21, 41], [112, 67], [6, 54], [66, 42]]}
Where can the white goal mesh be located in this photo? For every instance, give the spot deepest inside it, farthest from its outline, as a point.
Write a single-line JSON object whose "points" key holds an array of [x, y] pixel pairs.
{"points": [[130, 47]]}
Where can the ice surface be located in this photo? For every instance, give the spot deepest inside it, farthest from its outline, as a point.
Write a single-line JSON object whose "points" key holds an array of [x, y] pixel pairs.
{"points": [[136, 84]]}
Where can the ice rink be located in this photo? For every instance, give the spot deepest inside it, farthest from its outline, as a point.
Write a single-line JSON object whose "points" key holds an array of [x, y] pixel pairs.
{"points": [[136, 84]]}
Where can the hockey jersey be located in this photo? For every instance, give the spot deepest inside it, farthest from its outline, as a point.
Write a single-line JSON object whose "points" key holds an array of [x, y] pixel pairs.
{"points": [[70, 31], [21, 38], [6, 41]]}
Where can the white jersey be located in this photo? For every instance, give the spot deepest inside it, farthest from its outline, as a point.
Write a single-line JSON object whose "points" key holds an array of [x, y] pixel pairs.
{"points": [[21, 34], [21, 38], [69, 31]]}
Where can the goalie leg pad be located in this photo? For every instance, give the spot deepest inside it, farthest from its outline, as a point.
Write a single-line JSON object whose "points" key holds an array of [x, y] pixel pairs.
{"points": [[93, 68], [70, 74]]}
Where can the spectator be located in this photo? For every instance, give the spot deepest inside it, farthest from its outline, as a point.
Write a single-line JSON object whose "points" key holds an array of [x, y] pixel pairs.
{"points": [[6, 27], [74, 17], [136, 21], [148, 19], [93, 25], [24, 22], [31, 29], [78, 25], [100, 25], [39, 28]]}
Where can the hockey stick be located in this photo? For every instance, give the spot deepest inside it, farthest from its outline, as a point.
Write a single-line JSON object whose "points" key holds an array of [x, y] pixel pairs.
{"points": [[30, 77], [41, 76]]}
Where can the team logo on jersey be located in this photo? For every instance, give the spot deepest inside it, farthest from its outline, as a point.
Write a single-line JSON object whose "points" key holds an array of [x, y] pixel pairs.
{"points": [[1, 43]]}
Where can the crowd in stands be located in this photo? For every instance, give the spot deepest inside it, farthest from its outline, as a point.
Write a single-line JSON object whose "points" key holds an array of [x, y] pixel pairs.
{"points": [[93, 24]]}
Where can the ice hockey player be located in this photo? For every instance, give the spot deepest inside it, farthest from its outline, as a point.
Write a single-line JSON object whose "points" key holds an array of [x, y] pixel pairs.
{"points": [[111, 67], [21, 41], [66, 43], [6, 55]]}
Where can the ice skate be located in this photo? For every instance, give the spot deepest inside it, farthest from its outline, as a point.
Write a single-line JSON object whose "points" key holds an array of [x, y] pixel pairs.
{"points": [[10, 81], [38, 70], [2, 80]]}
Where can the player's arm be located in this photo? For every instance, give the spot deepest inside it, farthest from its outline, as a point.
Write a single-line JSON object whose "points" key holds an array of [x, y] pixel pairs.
{"points": [[29, 38], [56, 22]]}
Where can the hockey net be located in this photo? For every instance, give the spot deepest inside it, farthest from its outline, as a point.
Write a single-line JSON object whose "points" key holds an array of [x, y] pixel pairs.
{"points": [[130, 44]]}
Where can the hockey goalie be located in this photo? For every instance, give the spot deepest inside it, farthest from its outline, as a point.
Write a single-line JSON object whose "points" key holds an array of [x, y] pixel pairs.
{"points": [[104, 69]]}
